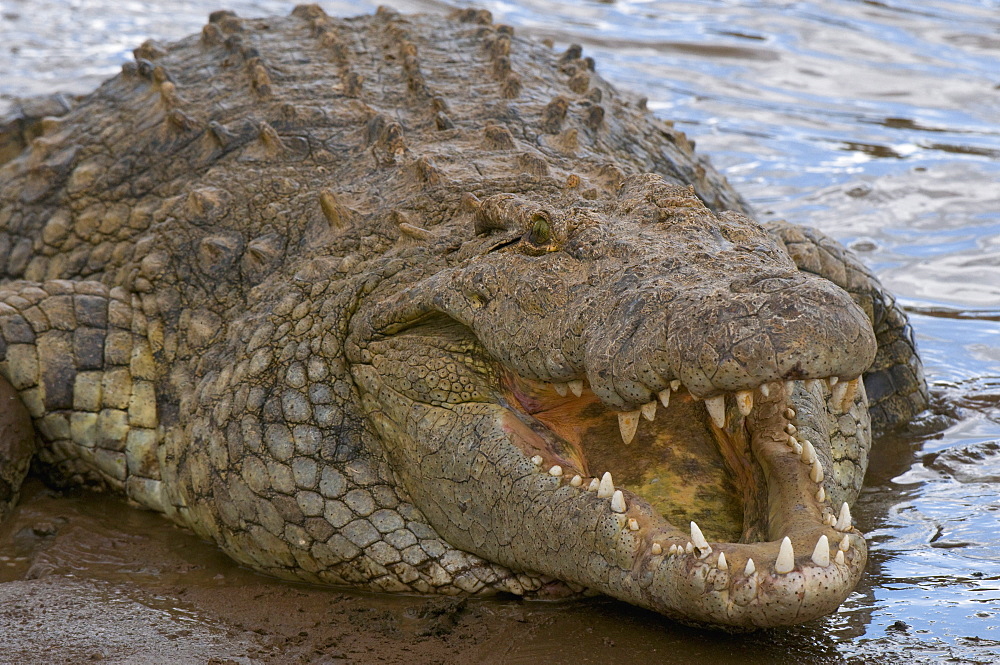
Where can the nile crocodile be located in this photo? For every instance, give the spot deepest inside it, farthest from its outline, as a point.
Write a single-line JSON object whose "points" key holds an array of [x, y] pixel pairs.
{"points": [[415, 304]]}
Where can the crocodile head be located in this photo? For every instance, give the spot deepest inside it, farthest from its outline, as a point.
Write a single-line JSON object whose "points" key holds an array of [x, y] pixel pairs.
{"points": [[638, 397]]}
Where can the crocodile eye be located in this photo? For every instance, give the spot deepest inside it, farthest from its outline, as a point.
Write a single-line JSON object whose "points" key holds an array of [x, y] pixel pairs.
{"points": [[541, 232]]}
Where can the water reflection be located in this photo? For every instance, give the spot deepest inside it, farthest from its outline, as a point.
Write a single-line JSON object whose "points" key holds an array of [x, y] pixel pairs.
{"points": [[876, 122]]}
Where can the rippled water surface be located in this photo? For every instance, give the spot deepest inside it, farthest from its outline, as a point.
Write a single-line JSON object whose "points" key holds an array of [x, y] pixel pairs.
{"points": [[878, 122]]}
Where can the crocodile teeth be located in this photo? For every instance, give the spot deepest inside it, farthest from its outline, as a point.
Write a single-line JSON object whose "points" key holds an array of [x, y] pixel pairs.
{"points": [[765, 390], [561, 388], [845, 544], [717, 409], [628, 422], [821, 494], [812, 384], [556, 470], [829, 519], [633, 525], [786, 557], [576, 481], [594, 485], [852, 389], [664, 396], [789, 387], [744, 401], [832, 381], [844, 521], [537, 460], [750, 569], [789, 413], [698, 538], [816, 473], [821, 555], [675, 385], [790, 428], [689, 548], [674, 549], [839, 558], [808, 452], [618, 502], [607, 486], [648, 410], [656, 548], [839, 391], [722, 561], [576, 386]]}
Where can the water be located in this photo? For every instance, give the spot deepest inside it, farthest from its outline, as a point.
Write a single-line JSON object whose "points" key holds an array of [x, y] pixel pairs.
{"points": [[875, 121]]}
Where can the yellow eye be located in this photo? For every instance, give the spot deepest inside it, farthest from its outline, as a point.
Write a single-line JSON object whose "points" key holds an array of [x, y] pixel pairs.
{"points": [[541, 232]]}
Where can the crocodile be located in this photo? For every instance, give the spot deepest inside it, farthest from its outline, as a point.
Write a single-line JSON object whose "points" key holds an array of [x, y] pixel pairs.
{"points": [[414, 304]]}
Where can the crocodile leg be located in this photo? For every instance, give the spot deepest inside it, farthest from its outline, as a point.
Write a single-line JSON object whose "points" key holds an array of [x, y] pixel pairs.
{"points": [[895, 381], [86, 379]]}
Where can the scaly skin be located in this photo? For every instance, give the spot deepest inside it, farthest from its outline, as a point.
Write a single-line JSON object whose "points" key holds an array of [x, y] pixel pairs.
{"points": [[369, 301]]}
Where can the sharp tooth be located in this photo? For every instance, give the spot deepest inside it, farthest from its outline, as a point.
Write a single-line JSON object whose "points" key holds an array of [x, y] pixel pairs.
{"points": [[808, 452], [821, 494], [839, 558], [844, 521], [852, 390], [829, 519], [537, 460], [722, 561], [561, 388], [789, 387], [765, 390], [832, 381], [675, 385], [576, 386], [556, 470], [812, 384], [744, 401], [576, 481], [648, 410], [816, 473], [656, 548], [717, 409], [789, 413], [674, 549], [628, 421], [790, 428], [792, 441], [698, 538], [845, 543], [594, 485], [664, 396], [618, 502], [821, 555], [750, 569], [633, 525], [607, 486], [689, 548], [839, 391], [786, 557]]}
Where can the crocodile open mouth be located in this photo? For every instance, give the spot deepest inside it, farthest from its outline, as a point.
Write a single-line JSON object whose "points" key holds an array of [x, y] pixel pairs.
{"points": [[731, 488], [690, 459]]}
